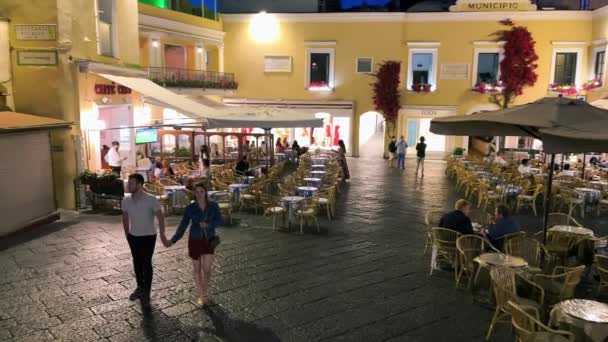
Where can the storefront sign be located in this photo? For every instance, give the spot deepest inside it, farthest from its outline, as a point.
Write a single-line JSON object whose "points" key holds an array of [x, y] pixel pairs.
{"points": [[454, 71], [111, 89], [36, 32], [492, 6], [36, 57]]}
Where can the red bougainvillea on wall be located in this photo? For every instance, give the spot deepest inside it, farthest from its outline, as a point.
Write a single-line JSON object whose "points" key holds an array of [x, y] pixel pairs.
{"points": [[386, 90], [517, 69]]}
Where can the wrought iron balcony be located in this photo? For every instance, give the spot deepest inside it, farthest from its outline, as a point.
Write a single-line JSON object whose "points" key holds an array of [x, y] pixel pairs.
{"points": [[184, 78]]}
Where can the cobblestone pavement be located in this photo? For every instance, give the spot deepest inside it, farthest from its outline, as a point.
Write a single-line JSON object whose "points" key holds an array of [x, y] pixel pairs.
{"points": [[364, 278]]}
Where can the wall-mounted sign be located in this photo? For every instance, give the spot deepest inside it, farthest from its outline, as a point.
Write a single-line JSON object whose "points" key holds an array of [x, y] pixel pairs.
{"points": [[111, 89], [36, 57], [36, 32], [277, 63], [454, 71], [492, 6]]}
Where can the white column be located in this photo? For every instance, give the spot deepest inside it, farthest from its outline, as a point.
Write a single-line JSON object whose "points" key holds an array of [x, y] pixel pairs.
{"points": [[220, 56], [155, 51], [200, 56]]}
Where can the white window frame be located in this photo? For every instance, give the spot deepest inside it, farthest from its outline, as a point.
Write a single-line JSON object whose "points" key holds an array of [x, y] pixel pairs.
{"points": [[578, 78], [332, 62], [113, 34], [433, 73], [371, 59], [476, 52], [593, 60]]}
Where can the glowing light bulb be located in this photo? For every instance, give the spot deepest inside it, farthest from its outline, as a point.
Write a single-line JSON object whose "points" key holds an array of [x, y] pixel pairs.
{"points": [[264, 27]]}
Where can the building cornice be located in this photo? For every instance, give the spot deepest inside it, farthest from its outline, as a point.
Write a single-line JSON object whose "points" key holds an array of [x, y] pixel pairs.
{"points": [[602, 41], [149, 23], [423, 17]]}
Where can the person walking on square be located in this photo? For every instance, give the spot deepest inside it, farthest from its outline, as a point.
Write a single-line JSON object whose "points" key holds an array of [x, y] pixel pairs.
{"points": [[138, 212], [420, 154], [203, 216], [401, 149], [392, 150]]}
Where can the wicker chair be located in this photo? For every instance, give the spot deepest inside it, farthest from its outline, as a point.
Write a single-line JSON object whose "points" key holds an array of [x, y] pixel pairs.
{"points": [[505, 290], [559, 245], [528, 249], [327, 200], [444, 240], [431, 219], [603, 204], [487, 197], [529, 200], [156, 191], [508, 237], [272, 208], [469, 247], [561, 219], [560, 285], [225, 207], [601, 267], [573, 201], [528, 327], [307, 214]]}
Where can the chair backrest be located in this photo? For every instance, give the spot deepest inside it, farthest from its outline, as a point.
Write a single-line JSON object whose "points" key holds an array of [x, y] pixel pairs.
{"points": [[432, 218], [503, 284], [469, 247], [572, 279], [525, 325], [528, 249], [445, 239], [602, 261], [508, 237], [556, 219]]}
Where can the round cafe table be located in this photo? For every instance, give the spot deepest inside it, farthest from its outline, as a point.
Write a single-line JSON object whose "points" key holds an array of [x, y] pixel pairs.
{"points": [[602, 184], [215, 195], [503, 260], [572, 230], [317, 173], [292, 203], [236, 189], [318, 167], [177, 195], [591, 196], [586, 319], [316, 182], [307, 191]]}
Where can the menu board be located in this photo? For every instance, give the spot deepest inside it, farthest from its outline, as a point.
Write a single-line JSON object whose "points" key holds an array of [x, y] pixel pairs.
{"points": [[277, 63]]}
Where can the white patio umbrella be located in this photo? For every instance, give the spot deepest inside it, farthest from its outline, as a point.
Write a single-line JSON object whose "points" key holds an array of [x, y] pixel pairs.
{"points": [[564, 125]]}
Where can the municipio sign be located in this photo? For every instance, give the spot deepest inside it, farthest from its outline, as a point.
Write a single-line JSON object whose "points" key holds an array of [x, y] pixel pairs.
{"points": [[492, 6]]}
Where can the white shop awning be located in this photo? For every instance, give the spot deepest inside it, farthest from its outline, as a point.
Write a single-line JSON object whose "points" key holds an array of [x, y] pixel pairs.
{"points": [[157, 95]]}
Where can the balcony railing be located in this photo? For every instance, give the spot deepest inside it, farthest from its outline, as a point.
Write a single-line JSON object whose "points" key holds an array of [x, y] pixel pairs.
{"points": [[184, 78]]}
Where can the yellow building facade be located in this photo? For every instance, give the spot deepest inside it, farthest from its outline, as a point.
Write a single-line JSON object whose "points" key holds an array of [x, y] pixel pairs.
{"points": [[452, 41]]}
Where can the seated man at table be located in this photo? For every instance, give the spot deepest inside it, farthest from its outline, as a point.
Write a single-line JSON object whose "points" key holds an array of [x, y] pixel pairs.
{"points": [[503, 224], [524, 169], [458, 219], [242, 167]]}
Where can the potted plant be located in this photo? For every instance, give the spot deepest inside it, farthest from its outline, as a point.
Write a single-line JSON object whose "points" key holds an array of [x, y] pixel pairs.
{"points": [[87, 177]]}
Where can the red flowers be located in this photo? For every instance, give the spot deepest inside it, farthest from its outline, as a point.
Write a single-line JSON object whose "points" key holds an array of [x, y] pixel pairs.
{"points": [[563, 89], [492, 88], [517, 69], [386, 90], [592, 84], [421, 87]]}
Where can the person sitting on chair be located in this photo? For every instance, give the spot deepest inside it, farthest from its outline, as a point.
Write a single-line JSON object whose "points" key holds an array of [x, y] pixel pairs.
{"points": [[502, 224], [458, 219], [242, 167], [567, 171]]}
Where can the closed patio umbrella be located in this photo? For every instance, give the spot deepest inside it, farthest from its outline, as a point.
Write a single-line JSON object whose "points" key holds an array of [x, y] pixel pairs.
{"points": [[564, 125]]}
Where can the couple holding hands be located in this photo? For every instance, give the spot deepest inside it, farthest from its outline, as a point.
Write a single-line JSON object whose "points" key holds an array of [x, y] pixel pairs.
{"points": [[202, 215]]}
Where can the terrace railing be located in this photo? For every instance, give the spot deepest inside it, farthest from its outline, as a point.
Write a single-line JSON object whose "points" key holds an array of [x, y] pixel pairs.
{"points": [[185, 78]]}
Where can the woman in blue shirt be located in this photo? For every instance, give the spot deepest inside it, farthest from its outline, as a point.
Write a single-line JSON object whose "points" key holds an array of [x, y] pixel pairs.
{"points": [[203, 216]]}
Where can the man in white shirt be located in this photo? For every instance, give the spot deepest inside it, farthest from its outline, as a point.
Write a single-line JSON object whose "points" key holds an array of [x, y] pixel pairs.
{"points": [[138, 212], [524, 169], [114, 159]]}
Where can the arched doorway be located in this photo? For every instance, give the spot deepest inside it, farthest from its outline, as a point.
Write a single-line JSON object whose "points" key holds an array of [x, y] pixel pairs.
{"points": [[371, 134]]}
